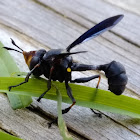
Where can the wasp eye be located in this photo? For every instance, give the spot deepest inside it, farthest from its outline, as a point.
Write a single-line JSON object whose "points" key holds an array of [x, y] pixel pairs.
{"points": [[40, 52]]}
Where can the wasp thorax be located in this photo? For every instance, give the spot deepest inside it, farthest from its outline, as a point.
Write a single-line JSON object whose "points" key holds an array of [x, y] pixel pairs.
{"points": [[28, 56]]}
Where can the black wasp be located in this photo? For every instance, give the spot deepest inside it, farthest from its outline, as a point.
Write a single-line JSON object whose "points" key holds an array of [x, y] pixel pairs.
{"points": [[57, 64]]}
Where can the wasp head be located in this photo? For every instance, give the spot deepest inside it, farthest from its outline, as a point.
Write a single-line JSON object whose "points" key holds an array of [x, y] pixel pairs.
{"points": [[28, 56]]}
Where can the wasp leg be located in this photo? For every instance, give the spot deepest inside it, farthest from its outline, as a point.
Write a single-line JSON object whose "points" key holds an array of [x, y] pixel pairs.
{"points": [[27, 77], [98, 114], [48, 85], [69, 92], [52, 122], [81, 67], [66, 110], [84, 79], [84, 67], [42, 95]]}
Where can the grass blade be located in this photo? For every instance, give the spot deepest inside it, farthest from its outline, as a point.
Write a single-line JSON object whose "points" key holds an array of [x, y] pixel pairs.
{"points": [[8, 66], [5, 136], [85, 96], [62, 126]]}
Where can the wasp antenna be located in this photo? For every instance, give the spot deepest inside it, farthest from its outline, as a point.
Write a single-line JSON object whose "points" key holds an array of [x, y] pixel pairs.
{"points": [[13, 42], [7, 48]]}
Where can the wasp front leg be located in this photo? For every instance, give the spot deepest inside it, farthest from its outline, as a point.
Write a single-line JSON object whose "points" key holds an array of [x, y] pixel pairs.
{"points": [[48, 88], [48, 85], [26, 78]]}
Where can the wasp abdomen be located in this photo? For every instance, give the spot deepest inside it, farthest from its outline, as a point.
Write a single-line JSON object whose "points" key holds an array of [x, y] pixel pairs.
{"points": [[116, 74]]}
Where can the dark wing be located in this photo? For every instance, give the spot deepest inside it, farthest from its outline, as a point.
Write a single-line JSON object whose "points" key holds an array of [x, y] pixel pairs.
{"points": [[55, 56], [96, 30], [62, 55]]}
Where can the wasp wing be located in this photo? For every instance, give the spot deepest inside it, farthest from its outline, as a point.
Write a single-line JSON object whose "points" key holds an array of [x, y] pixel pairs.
{"points": [[62, 55], [96, 30]]}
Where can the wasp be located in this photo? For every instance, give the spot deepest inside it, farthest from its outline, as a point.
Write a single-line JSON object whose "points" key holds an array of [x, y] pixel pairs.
{"points": [[57, 64]]}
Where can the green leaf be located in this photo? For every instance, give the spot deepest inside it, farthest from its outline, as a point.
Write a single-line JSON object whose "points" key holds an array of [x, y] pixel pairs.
{"points": [[85, 96], [8, 67], [18, 101], [62, 126], [5, 136]]}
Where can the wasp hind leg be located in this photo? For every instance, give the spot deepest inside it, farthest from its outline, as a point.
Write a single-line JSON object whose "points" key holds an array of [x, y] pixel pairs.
{"points": [[66, 110], [85, 67], [69, 92], [86, 79], [96, 113]]}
